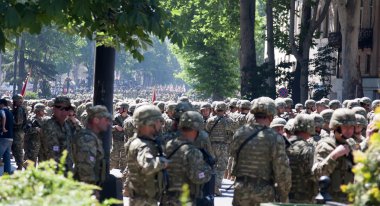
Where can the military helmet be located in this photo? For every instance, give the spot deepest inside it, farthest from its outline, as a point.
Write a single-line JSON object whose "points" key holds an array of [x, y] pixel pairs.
{"points": [[375, 104], [221, 106], [326, 115], [345, 102], [366, 100], [298, 106], [280, 102], [309, 103], [304, 123], [181, 108], [196, 106], [161, 105], [132, 108], [289, 126], [170, 106], [289, 102], [352, 103], [205, 105], [183, 99], [335, 104], [359, 110], [278, 122], [265, 106], [98, 111], [233, 102], [191, 119], [318, 120], [123, 105], [325, 100], [342, 116], [17, 97], [245, 104], [361, 120], [39, 107], [146, 115]]}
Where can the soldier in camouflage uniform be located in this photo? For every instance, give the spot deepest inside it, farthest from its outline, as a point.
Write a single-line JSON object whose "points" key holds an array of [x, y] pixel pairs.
{"points": [[220, 129], [320, 106], [169, 116], [280, 106], [244, 108], [256, 177], [205, 111], [117, 155], [187, 164], [88, 153], [333, 156], [278, 125], [33, 132], [56, 134], [301, 158], [298, 108], [366, 102], [360, 127], [19, 122], [289, 114], [326, 115], [335, 104], [318, 123], [145, 161]]}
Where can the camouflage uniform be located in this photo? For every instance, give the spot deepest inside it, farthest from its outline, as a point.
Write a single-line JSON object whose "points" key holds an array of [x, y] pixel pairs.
{"points": [[32, 135], [220, 129], [256, 177], [144, 161], [117, 155], [19, 122], [301, 158], [88, 152]]}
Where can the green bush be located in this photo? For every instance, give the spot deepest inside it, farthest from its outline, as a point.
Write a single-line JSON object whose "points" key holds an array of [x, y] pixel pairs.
{"points": [[31, 95], [47, 185]]}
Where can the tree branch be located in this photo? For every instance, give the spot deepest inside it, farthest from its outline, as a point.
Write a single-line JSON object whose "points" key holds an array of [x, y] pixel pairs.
{"points": [[292, 43]]}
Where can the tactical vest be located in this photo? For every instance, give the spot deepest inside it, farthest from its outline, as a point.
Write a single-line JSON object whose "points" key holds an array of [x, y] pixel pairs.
{"points": [[219, 130]]}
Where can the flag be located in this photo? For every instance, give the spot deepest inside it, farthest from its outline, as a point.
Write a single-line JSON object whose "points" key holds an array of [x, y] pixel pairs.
{"points": [[23, 90], [154, 95]]}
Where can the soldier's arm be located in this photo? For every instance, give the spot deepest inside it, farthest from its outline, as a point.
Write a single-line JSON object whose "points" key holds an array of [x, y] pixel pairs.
{"points": [[323, 162], [149, 163], [198, 171], [44, 146], [85, 159], [281, 169]]}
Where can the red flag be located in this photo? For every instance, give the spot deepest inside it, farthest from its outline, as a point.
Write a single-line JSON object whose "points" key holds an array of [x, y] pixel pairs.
{"points": [[154, 95], [23, 90]]}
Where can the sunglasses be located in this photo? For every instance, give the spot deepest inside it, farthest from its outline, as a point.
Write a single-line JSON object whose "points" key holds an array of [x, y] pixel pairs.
{"points": [[62, 108]]}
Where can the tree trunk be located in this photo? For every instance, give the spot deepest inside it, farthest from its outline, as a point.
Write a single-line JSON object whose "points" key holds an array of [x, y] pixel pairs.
{"points": [[304, 78], [270, 50], [35, 85], [349, 12], [21, 67], [247, 48], [15, 65]]}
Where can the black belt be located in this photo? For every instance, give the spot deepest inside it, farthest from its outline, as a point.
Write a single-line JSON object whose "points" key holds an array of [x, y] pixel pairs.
{"points": [[254, 180]]}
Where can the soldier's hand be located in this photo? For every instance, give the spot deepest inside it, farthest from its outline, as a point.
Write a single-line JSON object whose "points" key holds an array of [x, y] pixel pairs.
{"points": [[165, 161], [118, 128], [340, 151]]}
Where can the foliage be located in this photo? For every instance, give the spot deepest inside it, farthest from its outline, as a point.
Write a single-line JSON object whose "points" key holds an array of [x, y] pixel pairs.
{"points": [[365, 190], [30, 95], [284, 75], [46, 185]]}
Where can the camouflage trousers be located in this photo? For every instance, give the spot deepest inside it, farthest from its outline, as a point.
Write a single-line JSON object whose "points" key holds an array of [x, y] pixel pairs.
{"points": [[32, 146], [221, 154], [142, 201], [252, 194], [118, 157], [18, 146]]}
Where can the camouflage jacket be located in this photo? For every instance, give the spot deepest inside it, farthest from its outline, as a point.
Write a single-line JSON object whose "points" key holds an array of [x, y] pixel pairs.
{"points": [[32, 124], [203, 142], [144, 167], [220, 129], [118, 120], [301, 159], [263, 157], [129, 128], [187, 166], [88, 157], [19, 117]]}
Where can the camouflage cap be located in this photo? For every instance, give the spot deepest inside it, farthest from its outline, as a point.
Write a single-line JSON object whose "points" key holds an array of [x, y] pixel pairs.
{"points": [[361, 120], [146, 115], [205, 105], [278, 122], [366, 100], [221, 106], [170, 106], [341, 117], [375, 104], [352, 103], [98, 111], [289, 126], [191, 119], [304, 123], [360, 110], [289, 102], [245, 104], [309, 103], [265, 106], [335, 104], [39, 107], [181, 108], [280, 102], [318, 120], [62, 100], [326, 115]]}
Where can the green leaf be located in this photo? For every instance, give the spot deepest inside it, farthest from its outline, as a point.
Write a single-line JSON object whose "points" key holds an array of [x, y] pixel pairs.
{"points": [[12, 18]]}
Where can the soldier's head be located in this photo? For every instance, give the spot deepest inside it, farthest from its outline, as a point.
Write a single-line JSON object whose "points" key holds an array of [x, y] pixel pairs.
{"points": [[205, 109], [289, 104], [321, 105], [245, 106], [318, 122], [131, 109], [161, 106], [298, 107], [310, 105], [148, 120], [335, 104], [233, 105], [170, 109], [190, 124], [289, 128], [181, 108], [342, 122], [264, 109], [304, 125], [361, 124], [220, 108], [39, 109], [61, 107], [360, 110], [366, 102], [3, 103], [183, 99], [123, 108], [98, 119], [352, 103], [17, 100], [326, 115], [280, 106], [278, 125], [375, 104]]}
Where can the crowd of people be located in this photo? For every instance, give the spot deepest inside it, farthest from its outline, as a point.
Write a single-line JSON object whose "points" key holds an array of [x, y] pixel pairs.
{"points": [[273, 150]]}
